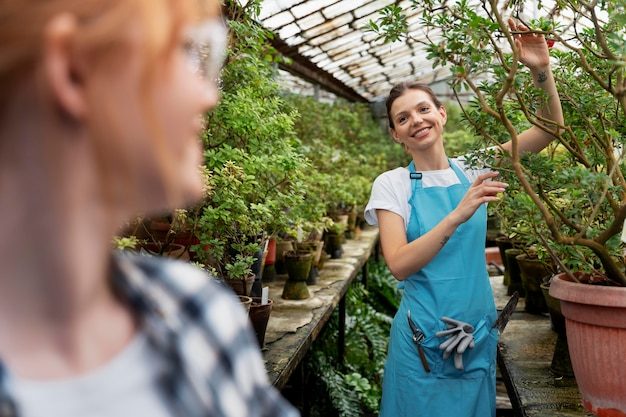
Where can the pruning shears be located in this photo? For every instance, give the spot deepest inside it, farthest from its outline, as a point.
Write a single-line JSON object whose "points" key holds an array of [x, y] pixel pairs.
{"points": [[418, 338]]}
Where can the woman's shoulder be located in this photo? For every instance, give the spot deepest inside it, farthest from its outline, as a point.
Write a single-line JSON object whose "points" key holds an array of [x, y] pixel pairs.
{"points": [[172, 285], [396, 176]]}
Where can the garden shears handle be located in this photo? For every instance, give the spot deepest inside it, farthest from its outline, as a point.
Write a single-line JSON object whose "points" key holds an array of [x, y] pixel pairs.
{"points": [[418, 338]]}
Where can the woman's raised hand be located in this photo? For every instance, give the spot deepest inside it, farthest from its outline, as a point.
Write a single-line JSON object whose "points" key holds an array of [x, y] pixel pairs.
{"points": [[532, 47], [483, 190]]}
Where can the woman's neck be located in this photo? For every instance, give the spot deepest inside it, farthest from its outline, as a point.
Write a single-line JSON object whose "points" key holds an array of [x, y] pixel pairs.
{"points": [[432, 159], [58, 315]]}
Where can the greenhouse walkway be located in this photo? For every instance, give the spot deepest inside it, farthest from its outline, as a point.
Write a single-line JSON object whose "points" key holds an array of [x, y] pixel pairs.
{"points": [[294, 325], [524, 357]]}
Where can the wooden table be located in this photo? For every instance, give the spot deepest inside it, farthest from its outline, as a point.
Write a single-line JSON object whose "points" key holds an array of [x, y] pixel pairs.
{"points": [[286, 348]]}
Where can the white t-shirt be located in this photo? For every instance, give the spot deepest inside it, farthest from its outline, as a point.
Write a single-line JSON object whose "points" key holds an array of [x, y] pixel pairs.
{"points": [[392, 189], [125, 386]]}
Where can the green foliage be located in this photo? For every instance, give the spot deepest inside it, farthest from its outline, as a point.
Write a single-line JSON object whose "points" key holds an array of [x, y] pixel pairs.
{"points": [[126, 242], [355, 389], [255, 170], [347, 149]]}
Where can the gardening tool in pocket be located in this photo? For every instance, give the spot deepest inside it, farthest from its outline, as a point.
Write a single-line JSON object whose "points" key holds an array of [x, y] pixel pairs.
{"points": [[460, 336], [418, 338]]}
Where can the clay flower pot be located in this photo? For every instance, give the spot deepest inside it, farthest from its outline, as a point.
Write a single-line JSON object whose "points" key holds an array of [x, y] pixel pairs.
{"points": [[241, 286], [173, 250], [533, 271], [298, 268], [595, 320], [259, 317], [245, 302]]}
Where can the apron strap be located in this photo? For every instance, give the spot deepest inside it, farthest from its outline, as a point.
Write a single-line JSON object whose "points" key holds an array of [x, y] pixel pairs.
{"points": [[459, 173], [417, 176]]}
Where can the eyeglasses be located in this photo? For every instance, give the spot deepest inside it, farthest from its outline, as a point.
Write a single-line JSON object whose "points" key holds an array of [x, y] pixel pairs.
{"points": [[205, 47]]}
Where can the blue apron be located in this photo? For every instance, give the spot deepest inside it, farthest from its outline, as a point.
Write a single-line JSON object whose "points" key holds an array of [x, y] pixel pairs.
{"points": [[454, 284]]}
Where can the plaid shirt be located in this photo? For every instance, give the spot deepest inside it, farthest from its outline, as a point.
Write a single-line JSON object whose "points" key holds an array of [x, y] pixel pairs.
{"points": [[214, 366]]}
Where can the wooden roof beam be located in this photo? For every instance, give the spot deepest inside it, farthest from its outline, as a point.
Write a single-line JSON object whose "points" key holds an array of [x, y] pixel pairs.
{"points": [[301, 66]]}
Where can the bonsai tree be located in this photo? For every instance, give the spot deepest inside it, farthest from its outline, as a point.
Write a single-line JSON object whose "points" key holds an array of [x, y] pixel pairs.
{"points": [[577, 188]]}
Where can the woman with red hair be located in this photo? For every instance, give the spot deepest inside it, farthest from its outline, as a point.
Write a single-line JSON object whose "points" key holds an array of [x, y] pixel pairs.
{"points": [[101, 105]]}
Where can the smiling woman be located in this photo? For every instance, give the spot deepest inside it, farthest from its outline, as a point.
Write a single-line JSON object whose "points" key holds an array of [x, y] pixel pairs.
{"points": [[432, 220], [102, 102]]}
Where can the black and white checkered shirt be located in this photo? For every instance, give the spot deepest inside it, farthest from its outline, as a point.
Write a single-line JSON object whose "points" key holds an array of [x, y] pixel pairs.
{"points": [[213, 362]]}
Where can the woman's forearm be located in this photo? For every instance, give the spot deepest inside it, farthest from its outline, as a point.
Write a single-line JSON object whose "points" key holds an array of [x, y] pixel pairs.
{"points": [[409, 258], [551, 110]]}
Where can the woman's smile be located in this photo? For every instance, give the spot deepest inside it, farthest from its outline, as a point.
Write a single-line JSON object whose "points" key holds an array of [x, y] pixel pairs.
{"points": [[421, 132]]}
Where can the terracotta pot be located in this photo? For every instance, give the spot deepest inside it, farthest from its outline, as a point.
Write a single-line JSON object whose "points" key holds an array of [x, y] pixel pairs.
{"points": [[245, 302], [159, 229], [533, 272], [298, 268], [333, 245], [173, 250], [515, 279], [271, 252], [241, 286], [282, 247], [259, 316], [595, 320], [503, 244]]}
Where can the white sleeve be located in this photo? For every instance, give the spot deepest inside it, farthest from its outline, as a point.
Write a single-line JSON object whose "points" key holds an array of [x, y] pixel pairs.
{"points": [[385, 195]]}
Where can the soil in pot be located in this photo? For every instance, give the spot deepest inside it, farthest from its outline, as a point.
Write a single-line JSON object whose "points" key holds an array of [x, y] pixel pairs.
{"points": [[259, 317]]}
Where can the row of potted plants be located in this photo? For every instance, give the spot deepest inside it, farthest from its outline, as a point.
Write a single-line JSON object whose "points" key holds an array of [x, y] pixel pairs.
{"points": [[276, 167]]}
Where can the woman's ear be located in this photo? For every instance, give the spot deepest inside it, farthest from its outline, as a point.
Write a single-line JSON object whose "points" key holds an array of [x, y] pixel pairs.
{"points": [[392, 132], [60, 65], [444, 115]]}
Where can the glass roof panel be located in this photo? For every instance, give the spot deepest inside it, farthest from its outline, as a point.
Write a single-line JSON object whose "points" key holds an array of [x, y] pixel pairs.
{"points": [[336, 9], [310, 6], [288, 31], [279, 20], [311, 20], [332, 35]]}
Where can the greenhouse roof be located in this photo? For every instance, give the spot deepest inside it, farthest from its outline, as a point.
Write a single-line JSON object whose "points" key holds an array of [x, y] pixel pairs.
{"points": [[329, 44]]}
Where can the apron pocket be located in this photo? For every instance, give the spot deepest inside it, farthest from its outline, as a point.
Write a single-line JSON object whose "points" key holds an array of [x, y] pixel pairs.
{"points": [[478, 362]]}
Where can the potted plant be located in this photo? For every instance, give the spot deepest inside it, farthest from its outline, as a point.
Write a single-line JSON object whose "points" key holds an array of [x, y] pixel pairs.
{"points": [[255, 170], [578, 187]]}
